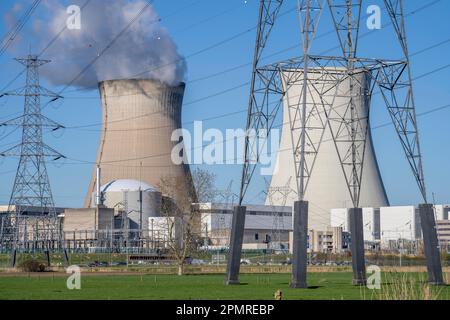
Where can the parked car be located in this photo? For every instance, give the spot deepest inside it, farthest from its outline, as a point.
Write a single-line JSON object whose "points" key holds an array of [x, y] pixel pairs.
{"points": [[197, 262]]}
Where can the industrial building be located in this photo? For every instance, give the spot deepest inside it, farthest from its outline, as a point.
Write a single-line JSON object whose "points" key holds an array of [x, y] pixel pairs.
{"points": [[333, 240], [443, 231], [128, 204], [383, 224], [371, 225], [135, 154], [139, 117], [35, 230], [137, 199], [86, 224], [264, 225], [442, 211], [120, 218], [326, 188], [386, 227]]}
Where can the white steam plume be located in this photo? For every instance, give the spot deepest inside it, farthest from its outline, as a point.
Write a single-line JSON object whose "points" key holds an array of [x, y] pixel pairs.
{"points": [[146, 46]]}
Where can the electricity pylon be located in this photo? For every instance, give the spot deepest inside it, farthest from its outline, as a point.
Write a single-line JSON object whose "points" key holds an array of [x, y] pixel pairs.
{"points": [[227, 198], [31, 204], [278, 193], [321, 81]]}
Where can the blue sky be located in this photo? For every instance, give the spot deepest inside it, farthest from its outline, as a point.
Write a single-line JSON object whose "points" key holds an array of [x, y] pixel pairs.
{"points": [[219, 35]]}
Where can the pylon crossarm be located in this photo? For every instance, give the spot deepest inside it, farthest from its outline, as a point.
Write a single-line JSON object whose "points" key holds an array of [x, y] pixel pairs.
{"points": [[39, 119], [33, 90], [27, 150]]}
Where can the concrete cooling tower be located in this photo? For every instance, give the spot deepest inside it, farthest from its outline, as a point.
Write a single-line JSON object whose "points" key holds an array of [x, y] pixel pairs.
{"points": [[139, 117], [327, 188]]}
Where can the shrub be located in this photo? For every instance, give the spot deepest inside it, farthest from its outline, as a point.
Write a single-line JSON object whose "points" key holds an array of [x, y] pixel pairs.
{"points": [[32, 265]]}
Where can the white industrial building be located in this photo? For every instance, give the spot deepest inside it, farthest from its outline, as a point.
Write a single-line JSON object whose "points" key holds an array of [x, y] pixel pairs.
{"points": [[261, 225], [327, 188], [371, 222], [442, 211], [400, 223], [387, 225]]}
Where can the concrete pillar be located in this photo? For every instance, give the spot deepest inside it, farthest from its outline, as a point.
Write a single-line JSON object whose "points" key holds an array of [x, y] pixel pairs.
{"points": [[47, 257], [300, 243], [13, 257], [431, 244], [357, 245], [236, 239]]}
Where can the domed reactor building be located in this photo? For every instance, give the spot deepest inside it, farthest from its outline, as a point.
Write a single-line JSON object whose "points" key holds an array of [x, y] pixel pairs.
{"points": [[327, 188], [139, 117]]}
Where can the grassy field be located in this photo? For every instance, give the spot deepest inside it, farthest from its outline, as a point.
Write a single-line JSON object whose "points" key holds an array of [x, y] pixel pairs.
{"points": [[330, 285]]}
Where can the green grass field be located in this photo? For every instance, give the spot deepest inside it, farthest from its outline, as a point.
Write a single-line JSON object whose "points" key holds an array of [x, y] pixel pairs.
{"points": [[327, 285]]}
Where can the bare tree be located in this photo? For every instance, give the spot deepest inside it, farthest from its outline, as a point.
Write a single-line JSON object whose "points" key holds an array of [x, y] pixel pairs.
{"points": [[182, 220], [178, 222], [204, 182]]}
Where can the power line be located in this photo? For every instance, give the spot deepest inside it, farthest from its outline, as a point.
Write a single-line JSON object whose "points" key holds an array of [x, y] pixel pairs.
{"points": [[9, 38], [53, 40], [125, 30], [113, 41], [434, 46], [217, 44], [280, 150], [278, 126], [289, 48], [140, 13], [213, 46], [184, 29], [421, 51]]}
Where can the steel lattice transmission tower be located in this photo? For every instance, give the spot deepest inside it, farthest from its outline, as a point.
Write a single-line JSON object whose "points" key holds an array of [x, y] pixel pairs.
{"points": [[322, 82], [280, 193], [31, 191], [227, 198]]}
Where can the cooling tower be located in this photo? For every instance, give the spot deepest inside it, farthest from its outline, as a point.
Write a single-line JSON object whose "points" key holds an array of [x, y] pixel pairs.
{"points": [[139, 117], [327, 188]]}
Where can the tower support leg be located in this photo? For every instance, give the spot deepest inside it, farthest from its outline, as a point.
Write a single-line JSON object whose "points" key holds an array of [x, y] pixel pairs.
{"points": [[431, 244], [236, 239], [66, 257], [47, 257], [357, 246], [300, 244], [13, 257]]}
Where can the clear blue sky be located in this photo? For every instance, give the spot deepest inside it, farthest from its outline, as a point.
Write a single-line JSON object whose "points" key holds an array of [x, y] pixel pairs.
{"points": [[196, 25]]}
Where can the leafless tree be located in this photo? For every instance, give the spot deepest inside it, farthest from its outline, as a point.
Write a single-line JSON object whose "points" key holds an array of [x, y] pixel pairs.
{"points": [[182, 220], [204, 182]]}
